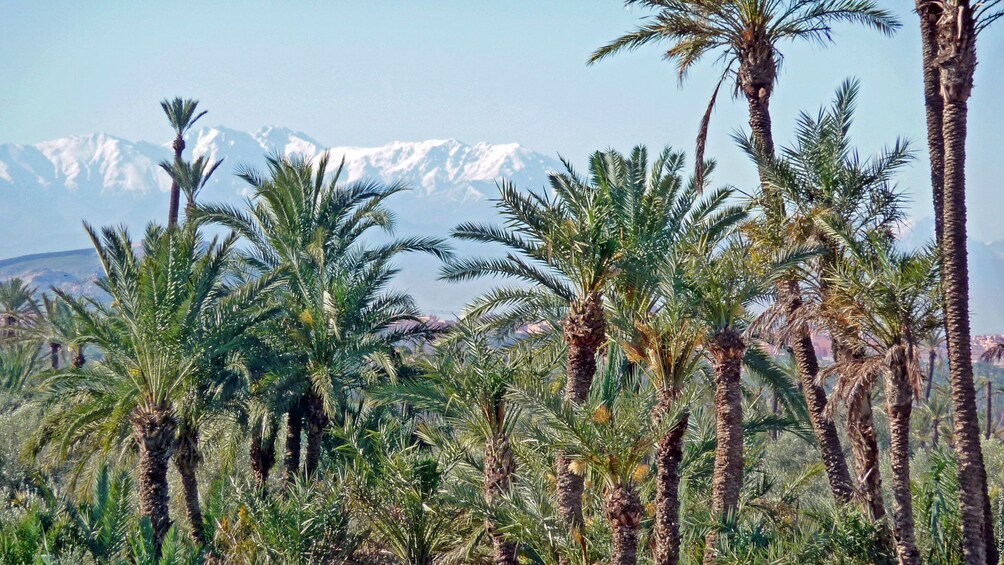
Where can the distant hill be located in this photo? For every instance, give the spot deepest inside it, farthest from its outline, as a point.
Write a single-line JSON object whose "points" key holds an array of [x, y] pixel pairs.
{"points": [[72, 271]]}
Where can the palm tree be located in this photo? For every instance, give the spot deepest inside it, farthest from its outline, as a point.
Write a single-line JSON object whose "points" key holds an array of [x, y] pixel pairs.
{"points": [[172, 312], [956, 30], [934, 342], [17, 304], [934, 106], [825, 185], [181, 114], [745, 34], [190, 178], [340, 320], [562, 247], [721, 282], [654, 216], [402, 495], [886, 302], [467, 386]]}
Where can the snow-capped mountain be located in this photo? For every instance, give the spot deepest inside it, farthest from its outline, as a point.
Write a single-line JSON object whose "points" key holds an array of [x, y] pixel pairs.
{"points": [[48, 189]]}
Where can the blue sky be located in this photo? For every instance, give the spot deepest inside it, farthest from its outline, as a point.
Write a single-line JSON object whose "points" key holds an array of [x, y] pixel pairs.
{"points": [[365, 73]]}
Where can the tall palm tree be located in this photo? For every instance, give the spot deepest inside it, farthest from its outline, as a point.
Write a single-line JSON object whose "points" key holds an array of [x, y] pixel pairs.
{"points": [[172, 311], [824, 183], [745, 35], [181, 114], [887, 301], [341, 319], [934, 342], [190, 178], [957, 29], [562, 247]]}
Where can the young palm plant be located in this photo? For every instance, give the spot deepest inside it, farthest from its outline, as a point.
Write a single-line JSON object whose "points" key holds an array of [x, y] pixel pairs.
{"points": [[612, 434], [467, 387]]}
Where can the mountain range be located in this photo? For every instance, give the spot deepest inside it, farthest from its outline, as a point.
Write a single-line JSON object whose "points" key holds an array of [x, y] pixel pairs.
{"points": [[49, 188]]}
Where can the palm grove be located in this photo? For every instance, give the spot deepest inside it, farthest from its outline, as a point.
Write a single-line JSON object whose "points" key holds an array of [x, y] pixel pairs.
{"points": [[641, 386]]}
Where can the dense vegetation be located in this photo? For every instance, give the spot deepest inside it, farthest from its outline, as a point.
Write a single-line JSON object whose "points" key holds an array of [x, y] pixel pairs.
{"points": [[642, 386]]}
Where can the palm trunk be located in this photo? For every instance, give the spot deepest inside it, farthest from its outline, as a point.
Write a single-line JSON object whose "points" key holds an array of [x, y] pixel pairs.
{"points": [[584, 332], [154, 431], [864, 447], [316, 421], [929, 13], [931, 357], [899, 401], [172, 213], [262, 455], [957, 57], [186, 460], [294, 429], [623, 511], [79, 359], [499, 468], [669, 454], [990, 408], [825, 429], [54, 355], [727, 349]]}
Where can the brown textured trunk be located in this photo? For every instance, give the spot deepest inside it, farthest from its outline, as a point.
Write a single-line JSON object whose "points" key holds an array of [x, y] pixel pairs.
{"points": [[623, 510], [54, 355], [935, 435], [669, 454], [186, 460], [957, 60], [316, 421], [727, 349], [929, 13], [824, 428], [172, 213], [262, 455], [294, 429], [584, 332], [154, 430], [864, 447], [79, 359], [931, 357], [990, 408], [899, 404], [499, 468]]}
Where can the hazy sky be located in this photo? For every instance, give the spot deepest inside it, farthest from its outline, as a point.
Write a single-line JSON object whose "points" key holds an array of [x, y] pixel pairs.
{"points": [[366, 73]]}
